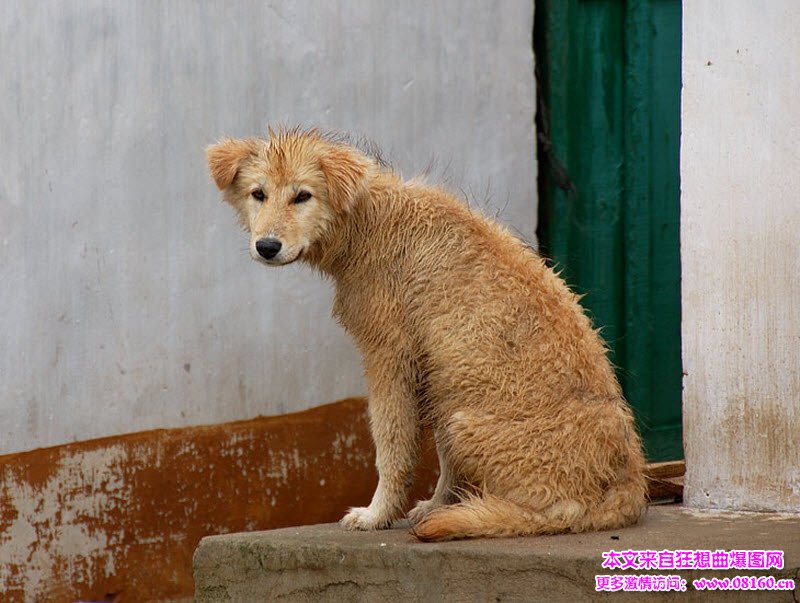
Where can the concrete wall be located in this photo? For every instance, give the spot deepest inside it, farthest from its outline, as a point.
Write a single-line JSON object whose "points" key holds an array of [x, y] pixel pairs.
{"points": [[128, 300], [740, 247]]}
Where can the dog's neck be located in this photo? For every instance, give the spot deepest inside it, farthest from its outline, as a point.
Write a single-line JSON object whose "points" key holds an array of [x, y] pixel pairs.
{"points": [[335, 253]]}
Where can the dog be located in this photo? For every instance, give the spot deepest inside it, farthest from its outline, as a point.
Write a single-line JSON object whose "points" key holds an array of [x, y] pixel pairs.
{"points": [[462, 328]]}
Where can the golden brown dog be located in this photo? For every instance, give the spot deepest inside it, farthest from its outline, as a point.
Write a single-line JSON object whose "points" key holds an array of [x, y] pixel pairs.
{"points": [[462, 327]]}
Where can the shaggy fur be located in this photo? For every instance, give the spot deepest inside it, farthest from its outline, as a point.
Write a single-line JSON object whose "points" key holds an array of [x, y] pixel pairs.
{"points": [[462, 327]]}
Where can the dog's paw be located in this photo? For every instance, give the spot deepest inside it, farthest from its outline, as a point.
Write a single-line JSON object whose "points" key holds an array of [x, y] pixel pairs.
{"points": [[421, 509], [364, 518]]}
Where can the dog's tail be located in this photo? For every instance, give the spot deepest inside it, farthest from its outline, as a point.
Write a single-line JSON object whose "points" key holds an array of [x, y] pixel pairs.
{"points": [[486, 516], [489, 516]]}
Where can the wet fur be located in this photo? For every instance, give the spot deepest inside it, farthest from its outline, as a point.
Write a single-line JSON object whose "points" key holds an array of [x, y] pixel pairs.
{"points": [[462, 327]]}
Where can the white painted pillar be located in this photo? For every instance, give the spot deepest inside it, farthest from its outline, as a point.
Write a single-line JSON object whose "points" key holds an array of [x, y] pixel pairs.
{"points": [[740, 248]]}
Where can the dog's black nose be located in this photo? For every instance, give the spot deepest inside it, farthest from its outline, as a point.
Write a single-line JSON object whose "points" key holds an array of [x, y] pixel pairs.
{"points": [[268, 248]]}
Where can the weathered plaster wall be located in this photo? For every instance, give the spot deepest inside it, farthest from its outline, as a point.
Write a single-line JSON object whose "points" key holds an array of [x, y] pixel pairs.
{"points": [[127, 298], [740, 248]]}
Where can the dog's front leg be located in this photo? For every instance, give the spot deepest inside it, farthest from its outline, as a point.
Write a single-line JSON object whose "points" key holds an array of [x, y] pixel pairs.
{"points": [[395, 431], [443, 494]]}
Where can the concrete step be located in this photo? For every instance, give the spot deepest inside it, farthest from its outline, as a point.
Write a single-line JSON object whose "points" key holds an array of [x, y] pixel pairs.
{"points": [[326, 563]]}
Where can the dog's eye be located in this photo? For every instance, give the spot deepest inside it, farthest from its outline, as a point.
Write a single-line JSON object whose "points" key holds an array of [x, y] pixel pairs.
{"points": [[258, 195], [302, 196]]}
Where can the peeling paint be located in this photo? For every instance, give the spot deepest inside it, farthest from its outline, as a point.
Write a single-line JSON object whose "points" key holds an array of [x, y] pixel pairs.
{"points": [[43, 512], [124, 514]]}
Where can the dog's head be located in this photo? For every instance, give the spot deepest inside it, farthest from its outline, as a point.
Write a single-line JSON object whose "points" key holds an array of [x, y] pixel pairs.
{"points": [[288, 189]]}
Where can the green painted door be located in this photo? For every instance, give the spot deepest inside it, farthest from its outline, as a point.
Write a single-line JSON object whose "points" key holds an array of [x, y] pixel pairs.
{"points": [[609, 133]]}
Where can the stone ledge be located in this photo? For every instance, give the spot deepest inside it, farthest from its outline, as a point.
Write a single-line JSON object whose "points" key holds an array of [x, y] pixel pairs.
{"points": [[326, 563]]}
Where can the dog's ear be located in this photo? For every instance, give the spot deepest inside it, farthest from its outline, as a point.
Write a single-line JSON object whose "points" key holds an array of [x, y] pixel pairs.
{"points": [[345, 172], [226, 157]]}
